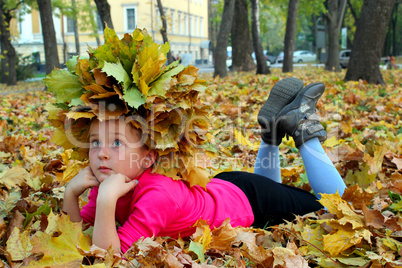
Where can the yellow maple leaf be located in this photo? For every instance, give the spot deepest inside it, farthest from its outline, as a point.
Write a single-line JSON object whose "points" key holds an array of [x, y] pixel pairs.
{"points": [[60, 138], [331, 202], [61, 251], [375, 162], [53, 111], [286, 257], [358, 144], [346, 127], [18, 245], [197, 176], [205, 238], [343, 239], [331, 142], [313, 236], [15, 177], [72, 170], [77, 115]]}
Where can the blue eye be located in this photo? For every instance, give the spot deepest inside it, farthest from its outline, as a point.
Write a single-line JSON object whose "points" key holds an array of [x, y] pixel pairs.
{"points": [[117, 143], [95, 143]]}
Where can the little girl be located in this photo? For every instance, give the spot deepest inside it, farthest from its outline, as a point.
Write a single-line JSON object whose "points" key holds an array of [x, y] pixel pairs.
{"points": [[148, 204]]}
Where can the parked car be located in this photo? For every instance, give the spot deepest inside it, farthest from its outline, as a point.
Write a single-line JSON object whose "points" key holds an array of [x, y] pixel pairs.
{"points": [[303, 56], [279, 59], [344, 57], [271, 58], [266, 57], [229, 57]]}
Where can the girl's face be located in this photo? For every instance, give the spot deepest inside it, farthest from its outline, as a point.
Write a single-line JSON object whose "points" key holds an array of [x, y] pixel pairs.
{"points": [[115, 147]]}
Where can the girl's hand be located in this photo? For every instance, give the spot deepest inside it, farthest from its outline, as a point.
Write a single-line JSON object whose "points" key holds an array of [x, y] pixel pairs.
{"points": [[82, 181], [115, 186]]}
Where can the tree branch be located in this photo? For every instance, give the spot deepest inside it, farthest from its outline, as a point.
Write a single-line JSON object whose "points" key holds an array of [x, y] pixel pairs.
{"points": [[352, 11], [16, 6]]}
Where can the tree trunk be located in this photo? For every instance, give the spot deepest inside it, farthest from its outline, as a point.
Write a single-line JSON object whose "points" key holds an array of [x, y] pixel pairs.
{"points": [[241, 42], [163, 30], [313, 33], [368, 42], [262, 67], [49, 35], [212, 27], [76, 34], [394, 24], [223, 39], [8, 61], [104, 13], [334, 18], [290, 36]]}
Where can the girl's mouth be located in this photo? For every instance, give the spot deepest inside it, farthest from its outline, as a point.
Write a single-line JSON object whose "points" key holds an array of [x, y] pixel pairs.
{"points": [[104, 169]]}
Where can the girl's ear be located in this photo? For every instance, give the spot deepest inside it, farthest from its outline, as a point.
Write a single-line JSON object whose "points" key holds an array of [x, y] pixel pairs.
{"points": [[150, 158]]}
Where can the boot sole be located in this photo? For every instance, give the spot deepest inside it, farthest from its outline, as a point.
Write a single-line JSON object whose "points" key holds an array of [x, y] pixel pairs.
{"points": [[295, 104], [282, 93]]}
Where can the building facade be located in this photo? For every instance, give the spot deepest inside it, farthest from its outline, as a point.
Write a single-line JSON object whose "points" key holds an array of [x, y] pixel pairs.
{"points": [[187, 28]]}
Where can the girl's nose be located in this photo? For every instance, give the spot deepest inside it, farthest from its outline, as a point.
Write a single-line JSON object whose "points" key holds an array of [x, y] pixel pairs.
{"points": [[103, 153]]}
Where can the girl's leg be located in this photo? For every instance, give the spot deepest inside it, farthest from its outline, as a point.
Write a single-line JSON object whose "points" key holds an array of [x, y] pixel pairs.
{"points": [[271, 202], [282, 93], [267, 163], [299, 120], [321, 173]]}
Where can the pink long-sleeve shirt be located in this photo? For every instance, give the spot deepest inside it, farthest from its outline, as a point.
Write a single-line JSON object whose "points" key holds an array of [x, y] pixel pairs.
{"points": [[161, 206]]}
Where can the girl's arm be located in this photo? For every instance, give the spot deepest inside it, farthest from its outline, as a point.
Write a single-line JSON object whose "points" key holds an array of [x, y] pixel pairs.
{"points": [[110, 190], [71, 206], [82, 181]]}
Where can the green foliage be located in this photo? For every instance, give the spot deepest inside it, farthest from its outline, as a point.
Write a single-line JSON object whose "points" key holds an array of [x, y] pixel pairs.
{"points": [[273, 15], [25, 67], [82, 11], [217, 7], [272, 26], [65, 85]]}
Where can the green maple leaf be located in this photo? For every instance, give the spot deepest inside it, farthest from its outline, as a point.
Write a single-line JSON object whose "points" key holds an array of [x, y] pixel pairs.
{"points": [[160, 86], [133, 97], [7, 205], [71, 63], [64, 84], [198, 249], [107, 52], [117, 71]]}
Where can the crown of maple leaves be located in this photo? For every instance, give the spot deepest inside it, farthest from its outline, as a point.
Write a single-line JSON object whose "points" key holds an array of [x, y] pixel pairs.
{"points": [[129, 77]]}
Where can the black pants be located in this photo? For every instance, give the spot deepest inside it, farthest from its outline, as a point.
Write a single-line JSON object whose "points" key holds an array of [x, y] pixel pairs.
{"points": [[271, 202]]}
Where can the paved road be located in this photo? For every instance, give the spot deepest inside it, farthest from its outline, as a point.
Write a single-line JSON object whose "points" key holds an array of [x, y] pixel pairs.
{"points": [[209, 68]]}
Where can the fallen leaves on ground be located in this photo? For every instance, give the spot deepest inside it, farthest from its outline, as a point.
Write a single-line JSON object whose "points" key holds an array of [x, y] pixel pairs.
{"points": [[363, 228]]}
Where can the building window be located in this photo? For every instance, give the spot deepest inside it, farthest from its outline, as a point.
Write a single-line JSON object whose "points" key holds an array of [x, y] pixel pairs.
{"points": [[185, 24], [173, 22], [201, 27], [166, 13], [180, 24], [70, 25], [130, 18], [196, 26], [191, 25]]}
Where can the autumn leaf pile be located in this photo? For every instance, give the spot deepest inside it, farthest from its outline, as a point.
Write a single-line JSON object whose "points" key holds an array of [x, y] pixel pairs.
{"points": [[363, 228]]}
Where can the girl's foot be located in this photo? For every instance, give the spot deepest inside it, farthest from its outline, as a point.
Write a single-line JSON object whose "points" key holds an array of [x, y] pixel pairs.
{"points": [[281, 95], [298, 118]]}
